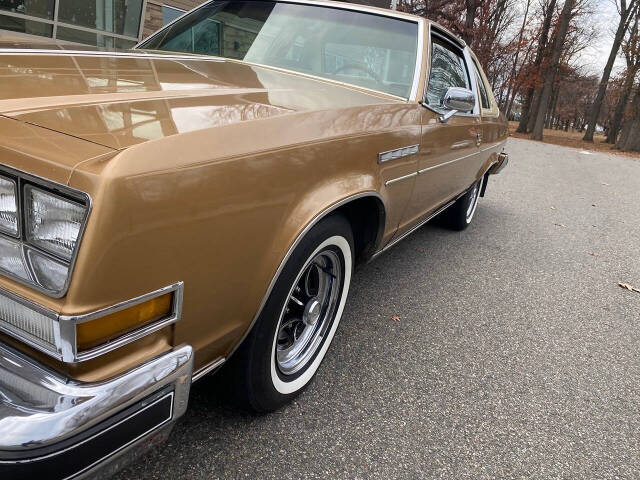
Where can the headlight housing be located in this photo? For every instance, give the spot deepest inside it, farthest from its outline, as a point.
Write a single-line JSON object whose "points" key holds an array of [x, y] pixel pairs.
{"points": [[41, 224], [8, 206], [53, 223]]}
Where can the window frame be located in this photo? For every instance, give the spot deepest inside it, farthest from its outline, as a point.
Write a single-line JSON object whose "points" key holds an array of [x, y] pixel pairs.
{"points": [[55, 23], [455, 44]]}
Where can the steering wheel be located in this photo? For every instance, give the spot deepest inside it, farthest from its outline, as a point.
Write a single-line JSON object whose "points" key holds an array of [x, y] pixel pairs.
{"points": [[359, 67]]}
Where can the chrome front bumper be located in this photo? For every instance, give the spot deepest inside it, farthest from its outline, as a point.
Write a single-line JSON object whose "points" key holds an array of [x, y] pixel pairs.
{"points": [[57, 428]]}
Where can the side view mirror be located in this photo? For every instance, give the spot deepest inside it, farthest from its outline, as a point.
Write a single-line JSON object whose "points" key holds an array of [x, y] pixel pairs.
{"points": [[457, 99]]}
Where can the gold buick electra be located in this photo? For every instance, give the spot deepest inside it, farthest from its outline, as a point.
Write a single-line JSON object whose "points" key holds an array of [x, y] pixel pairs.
{"points": [[203, 199]]}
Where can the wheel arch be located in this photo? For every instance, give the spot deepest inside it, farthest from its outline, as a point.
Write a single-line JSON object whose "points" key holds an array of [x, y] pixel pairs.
{"points": [[367, 238]]}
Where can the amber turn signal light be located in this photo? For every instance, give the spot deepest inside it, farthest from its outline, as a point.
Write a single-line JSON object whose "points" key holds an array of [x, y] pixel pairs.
{"points": [[101, 330]]}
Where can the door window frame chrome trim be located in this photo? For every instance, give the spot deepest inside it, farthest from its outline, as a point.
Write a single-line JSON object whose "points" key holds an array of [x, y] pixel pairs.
{"points": [[447, 37]]}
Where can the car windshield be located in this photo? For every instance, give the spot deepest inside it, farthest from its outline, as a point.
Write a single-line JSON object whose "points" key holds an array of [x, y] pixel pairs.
{"points": [[359, 48]]}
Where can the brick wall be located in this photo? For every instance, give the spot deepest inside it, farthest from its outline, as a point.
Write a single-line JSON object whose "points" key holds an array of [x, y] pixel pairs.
{"points": [[153, 14]]}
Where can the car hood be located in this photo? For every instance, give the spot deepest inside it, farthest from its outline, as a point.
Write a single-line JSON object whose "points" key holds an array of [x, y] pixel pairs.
{"points": [[119, 99]]}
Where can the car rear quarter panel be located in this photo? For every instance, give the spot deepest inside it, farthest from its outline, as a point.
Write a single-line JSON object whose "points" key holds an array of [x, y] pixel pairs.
{"points": [[219, 208]]}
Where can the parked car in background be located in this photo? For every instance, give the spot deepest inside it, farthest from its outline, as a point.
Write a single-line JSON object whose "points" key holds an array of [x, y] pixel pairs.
{"points": [[204, 199]]}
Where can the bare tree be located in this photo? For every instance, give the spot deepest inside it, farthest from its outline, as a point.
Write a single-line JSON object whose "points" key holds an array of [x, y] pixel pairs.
{"points": [[631, 49], [627, 11], [512, 76], [529, 108], [549, 76], [629, 138]]}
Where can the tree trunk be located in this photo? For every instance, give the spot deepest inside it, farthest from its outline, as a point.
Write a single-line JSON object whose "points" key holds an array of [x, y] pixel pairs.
{"points": [[594, 112], [512, 75], [556, 53], [526, 108], [472, 10], [530, 106], [629, 135], [621, 105]]}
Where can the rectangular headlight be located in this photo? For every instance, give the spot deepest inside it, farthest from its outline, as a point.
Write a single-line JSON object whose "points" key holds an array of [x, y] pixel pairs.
{"points": [[8, 206], [52, 223]]}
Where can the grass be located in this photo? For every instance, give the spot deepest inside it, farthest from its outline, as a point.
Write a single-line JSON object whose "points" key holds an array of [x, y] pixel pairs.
{"points": [[574, 140]]}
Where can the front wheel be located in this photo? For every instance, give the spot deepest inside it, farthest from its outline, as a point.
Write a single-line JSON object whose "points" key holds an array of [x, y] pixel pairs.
{"points": [[459, 215], [291, 336]]}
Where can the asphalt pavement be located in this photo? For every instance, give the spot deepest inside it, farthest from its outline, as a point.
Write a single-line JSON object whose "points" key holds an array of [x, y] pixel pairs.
{"points": [[516, 354]]}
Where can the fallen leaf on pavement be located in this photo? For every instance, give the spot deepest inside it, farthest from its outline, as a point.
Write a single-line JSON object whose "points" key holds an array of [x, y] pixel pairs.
{"points": [[395, 318], [629, 287], [560, 225], [593, 205]]}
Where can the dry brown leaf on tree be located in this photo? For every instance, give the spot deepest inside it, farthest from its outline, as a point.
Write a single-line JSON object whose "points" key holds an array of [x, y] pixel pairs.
{"points": [[629, 287]]}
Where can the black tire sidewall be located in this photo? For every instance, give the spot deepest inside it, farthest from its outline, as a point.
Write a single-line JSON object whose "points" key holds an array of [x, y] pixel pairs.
{"points": [[256, 352]]}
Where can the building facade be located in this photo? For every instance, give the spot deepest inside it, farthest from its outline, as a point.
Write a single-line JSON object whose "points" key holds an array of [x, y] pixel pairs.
{"points": [[104, 23]]}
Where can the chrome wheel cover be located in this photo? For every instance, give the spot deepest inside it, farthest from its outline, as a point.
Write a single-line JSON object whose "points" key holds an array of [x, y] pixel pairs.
{"points": [[309, 311], [473, 203]]}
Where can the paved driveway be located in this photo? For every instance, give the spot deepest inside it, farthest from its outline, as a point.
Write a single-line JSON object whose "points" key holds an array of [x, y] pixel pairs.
{"points": [[516, 354]]}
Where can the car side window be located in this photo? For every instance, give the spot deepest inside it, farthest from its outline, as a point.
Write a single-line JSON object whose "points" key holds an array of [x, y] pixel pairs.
{"points": [[447, 70], [484, 97]]}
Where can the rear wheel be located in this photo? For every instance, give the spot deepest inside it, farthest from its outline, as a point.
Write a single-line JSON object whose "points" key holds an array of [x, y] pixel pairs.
{"points": [[459, 215], [295, 328]]}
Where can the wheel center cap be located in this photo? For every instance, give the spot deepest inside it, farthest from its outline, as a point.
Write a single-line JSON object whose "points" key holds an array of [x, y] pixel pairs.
{"points": [[311, 312]]}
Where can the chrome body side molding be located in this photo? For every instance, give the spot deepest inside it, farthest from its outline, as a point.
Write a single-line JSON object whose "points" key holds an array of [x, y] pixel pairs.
{"points": [[202, 371], [398, 179]]}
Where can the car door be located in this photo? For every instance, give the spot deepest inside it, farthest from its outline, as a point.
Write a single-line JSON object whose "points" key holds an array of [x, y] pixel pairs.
{"points": [[493, 126], [448, 159]]}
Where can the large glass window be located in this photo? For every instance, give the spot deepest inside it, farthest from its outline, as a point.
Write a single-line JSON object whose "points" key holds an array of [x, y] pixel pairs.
{"points": [[104, 23], [116, 16], [371, 51], [447, 70], [33, 8], [484, 97], [22, 25]]}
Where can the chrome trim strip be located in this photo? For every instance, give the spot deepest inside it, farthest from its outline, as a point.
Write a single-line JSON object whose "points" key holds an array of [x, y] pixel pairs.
{"points": [[417, 226], [295, 243], [53, 187], [202, 371], [420, 57], [103, 53], [420, 172], [57, 452], [398, 153], [398, 179]]}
